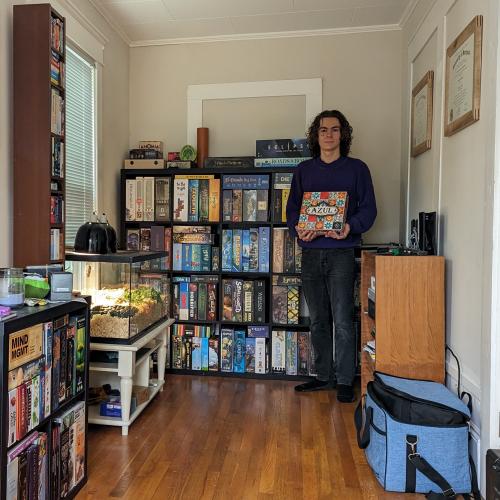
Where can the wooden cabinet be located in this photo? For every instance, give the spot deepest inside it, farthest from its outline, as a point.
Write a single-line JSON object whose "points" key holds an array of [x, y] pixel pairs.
{"points": [[39, 95], [408, 326]]}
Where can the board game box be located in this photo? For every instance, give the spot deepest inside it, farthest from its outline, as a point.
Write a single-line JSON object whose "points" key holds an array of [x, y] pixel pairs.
{"points": [[323, 211]]}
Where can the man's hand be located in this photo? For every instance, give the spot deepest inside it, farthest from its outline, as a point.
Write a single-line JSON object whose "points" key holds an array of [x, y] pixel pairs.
{"points": [[307, 235], [339, 235]]}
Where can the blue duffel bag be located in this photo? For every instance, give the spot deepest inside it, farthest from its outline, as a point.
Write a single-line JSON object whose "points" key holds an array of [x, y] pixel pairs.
{"points": [[416, 437]]}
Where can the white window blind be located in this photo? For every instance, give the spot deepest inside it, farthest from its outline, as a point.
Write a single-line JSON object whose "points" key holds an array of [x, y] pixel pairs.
{"points": [[80, 143]]}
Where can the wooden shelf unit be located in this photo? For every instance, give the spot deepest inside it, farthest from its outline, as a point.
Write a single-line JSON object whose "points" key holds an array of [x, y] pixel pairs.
{"points": [[409, 319], [26, 318], [217, 228], [33, 135]]}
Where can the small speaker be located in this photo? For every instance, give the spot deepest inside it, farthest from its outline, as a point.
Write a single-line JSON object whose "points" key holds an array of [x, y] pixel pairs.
{"points": [[61, 286], [427, 232], [430, 233], [421, 231]]}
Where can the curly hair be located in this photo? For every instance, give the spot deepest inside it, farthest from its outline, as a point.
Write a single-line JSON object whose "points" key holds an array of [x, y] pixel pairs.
{"points": [[345, 133]]}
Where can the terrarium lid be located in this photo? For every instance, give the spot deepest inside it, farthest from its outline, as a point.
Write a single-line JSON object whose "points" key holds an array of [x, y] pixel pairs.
{"points": [[121, 256]]}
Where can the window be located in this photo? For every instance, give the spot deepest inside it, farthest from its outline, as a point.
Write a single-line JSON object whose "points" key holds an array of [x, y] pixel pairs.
{"points": [[80, 143]]}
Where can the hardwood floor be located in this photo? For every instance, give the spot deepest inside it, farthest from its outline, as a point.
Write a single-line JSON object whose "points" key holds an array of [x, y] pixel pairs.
{"points": [[227, 438]]}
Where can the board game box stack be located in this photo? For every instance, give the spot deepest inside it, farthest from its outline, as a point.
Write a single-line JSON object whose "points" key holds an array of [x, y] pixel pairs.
{"points": [[281, 152]]}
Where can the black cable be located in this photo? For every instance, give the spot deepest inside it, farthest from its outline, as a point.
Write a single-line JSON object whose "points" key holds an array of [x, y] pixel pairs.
{"points": [[458, 368]]}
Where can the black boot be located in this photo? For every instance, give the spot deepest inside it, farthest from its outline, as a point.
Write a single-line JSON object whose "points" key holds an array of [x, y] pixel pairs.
{"points": [[345, 393], [313, 385]]}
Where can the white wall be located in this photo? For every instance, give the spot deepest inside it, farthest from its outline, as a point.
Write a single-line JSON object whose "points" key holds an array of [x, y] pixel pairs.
{"points": [[456, 178], [361, 76], [113, 123]]}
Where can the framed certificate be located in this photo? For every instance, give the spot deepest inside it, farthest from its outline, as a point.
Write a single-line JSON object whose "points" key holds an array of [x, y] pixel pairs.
{"points": [[421, 115], [463, 78]]}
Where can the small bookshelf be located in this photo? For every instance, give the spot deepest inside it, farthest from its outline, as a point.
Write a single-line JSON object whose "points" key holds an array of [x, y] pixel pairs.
{"points": [[39, 59], [44, 401]]}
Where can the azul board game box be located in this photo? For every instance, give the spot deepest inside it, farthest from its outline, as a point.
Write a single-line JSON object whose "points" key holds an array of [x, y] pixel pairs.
{"points": [[323, 211]]}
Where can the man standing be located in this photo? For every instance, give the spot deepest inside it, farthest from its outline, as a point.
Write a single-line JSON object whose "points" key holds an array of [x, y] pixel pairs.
{"points": [[328, 266]]}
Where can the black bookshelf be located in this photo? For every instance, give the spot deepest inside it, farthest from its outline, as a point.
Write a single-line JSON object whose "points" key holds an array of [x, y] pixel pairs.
{"points": [[27, 317], [217, 227]]}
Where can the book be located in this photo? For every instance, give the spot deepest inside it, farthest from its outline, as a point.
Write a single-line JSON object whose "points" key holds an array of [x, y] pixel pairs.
{"points": [[250, 355], [226, 350], [213, 354], [260, 355], [278, 351], [133, 239], [162, 199], [280, 305], [229, 161], [278, 162], [213, 200], [149, 198], [303, 353], [291, 353], [323, 211], [180, 201], [239, 351], [25, 345], [282, 148], [245, 181]]}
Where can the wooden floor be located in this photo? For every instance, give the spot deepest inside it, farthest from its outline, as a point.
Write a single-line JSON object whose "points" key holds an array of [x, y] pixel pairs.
{"points": [[227, 438]]}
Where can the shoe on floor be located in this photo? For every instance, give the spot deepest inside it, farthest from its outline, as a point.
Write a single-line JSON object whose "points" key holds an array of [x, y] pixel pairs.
{"points": [[345, 393], [313, 385]]}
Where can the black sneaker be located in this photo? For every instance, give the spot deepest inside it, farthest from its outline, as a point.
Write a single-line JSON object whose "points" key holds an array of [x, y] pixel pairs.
{"points": [[345, 393], [313, 385]]}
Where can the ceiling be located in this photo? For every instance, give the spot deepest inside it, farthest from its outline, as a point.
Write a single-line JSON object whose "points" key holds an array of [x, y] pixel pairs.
{"points": [[149, 22]]}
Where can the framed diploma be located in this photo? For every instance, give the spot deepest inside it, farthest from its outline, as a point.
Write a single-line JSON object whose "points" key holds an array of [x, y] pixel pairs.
{"points": [[421, 115], [463, 78]]}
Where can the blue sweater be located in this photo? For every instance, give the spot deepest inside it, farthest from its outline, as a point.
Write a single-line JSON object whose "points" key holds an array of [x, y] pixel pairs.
{"points": [[345, 174]]}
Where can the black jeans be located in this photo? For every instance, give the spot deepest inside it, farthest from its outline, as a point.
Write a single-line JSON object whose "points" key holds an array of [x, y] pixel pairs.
{"points": [[328, 284]]}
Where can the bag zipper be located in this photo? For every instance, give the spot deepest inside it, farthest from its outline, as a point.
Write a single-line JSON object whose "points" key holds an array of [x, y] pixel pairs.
{"points": [[377, 401], [410, 397]]}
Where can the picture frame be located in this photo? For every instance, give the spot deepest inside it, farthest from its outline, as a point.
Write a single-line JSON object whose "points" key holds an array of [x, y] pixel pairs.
{"points": [[421, 114], [463, 78]]}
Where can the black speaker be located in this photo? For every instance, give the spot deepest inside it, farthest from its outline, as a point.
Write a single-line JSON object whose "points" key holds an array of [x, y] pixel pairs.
{"points": [[427, 232], [421, 231], [493, 475], [430, 233]]}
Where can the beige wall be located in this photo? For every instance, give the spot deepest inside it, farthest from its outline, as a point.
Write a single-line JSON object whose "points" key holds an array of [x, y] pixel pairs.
{"points": [[361, 76], [113, 123], [5, 133]]}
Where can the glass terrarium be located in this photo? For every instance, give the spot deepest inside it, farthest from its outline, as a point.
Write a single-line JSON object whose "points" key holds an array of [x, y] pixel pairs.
{"points": [[128, 290]]}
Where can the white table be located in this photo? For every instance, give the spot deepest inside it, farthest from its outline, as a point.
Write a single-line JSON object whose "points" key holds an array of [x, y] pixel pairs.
{"points": [[131, 370]]}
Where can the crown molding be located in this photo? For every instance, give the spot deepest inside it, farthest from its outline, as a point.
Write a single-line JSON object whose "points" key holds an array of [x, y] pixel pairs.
{"points": [[83, 20], [264, 36], [114, 25], [410, 8]]}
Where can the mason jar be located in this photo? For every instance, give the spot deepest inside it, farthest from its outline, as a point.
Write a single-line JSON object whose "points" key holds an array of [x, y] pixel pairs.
{"points": [[11, 287]]}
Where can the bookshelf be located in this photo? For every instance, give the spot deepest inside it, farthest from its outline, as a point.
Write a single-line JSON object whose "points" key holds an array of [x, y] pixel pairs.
{"points": [[39, 154], [218, 227], [407, 316], [37, 418]]}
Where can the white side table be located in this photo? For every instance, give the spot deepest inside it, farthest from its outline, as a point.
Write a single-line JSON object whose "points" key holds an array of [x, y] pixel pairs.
{"points": [[131, 370]]}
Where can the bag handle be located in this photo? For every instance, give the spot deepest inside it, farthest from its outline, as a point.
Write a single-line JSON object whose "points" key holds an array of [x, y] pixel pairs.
{"points": [[364, 438], [447, 491]]}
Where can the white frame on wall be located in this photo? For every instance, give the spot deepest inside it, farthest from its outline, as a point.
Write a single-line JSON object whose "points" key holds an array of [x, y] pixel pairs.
{"points": [[310, 88]]}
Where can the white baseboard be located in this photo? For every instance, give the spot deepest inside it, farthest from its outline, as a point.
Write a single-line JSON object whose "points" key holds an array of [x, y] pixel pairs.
{"points": [[475, 425]]}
